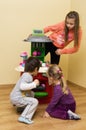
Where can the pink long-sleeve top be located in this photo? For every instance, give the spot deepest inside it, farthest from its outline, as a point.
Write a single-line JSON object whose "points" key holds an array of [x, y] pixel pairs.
{"points": [[57, 36]]}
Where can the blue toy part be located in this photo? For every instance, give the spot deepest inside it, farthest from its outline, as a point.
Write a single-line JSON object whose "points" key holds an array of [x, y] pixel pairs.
{"points": [[41, 94], [22, 64]]}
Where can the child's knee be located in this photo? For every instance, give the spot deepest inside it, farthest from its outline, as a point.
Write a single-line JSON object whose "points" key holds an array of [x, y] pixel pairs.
{"points": [[36, 101]]}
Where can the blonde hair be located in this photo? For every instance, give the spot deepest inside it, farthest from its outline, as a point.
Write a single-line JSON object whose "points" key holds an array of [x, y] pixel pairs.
{"points": [[56, 73]]}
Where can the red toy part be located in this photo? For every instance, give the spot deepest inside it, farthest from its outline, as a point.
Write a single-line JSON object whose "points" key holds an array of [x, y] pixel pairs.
{"points": [[48, 89]]}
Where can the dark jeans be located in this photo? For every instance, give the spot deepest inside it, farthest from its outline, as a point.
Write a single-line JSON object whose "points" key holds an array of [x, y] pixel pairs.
{"points": [[49, 47]]}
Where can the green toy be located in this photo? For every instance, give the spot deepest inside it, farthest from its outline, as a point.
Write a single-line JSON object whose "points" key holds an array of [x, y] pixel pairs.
{"points": [[38, 32], [41, 94]]}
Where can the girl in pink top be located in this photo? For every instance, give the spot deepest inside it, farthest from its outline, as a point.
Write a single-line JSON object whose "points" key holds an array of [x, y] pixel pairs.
{"points": [[63, 34]]}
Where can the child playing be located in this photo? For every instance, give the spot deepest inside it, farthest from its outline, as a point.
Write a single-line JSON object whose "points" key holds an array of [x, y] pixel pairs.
{"points": [[29, 104], [62, 35], [62, 104]]}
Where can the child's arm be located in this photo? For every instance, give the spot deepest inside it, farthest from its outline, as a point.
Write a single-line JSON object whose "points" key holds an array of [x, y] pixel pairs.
{"points": [[67, 50], [71, 50], [29, 86], [53, 28]]}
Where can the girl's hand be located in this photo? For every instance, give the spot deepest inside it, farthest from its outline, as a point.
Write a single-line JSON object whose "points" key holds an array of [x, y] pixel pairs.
{"points": [[36, 82], [46, 115], [58, 51], [27, 38]]}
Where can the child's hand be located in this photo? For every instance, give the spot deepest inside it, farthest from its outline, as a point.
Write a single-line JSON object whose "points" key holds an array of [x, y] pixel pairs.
{"points": [[36, 82], [46, 115], [27, 38], [58, 51]]}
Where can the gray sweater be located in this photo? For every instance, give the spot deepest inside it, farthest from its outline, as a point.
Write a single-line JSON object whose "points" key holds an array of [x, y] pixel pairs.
{"points": [[23, 84]]}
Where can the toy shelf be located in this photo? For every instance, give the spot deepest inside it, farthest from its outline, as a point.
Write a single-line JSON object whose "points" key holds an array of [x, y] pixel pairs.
{"points": [[38, 41], [38, 50]]}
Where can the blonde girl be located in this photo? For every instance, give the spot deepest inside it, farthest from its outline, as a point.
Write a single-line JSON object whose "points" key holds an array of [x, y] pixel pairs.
{"points": [[62, 105]]}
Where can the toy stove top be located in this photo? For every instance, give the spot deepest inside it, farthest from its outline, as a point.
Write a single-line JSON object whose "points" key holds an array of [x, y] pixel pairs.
{"points": [[32, 38]]}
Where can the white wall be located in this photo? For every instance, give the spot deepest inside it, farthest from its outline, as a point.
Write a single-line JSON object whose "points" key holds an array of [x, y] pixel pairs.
{"points": [[77, 62], [17, 20]]}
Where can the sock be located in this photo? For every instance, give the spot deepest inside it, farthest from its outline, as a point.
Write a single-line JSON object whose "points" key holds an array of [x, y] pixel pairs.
{"points": [[73, 116]]}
